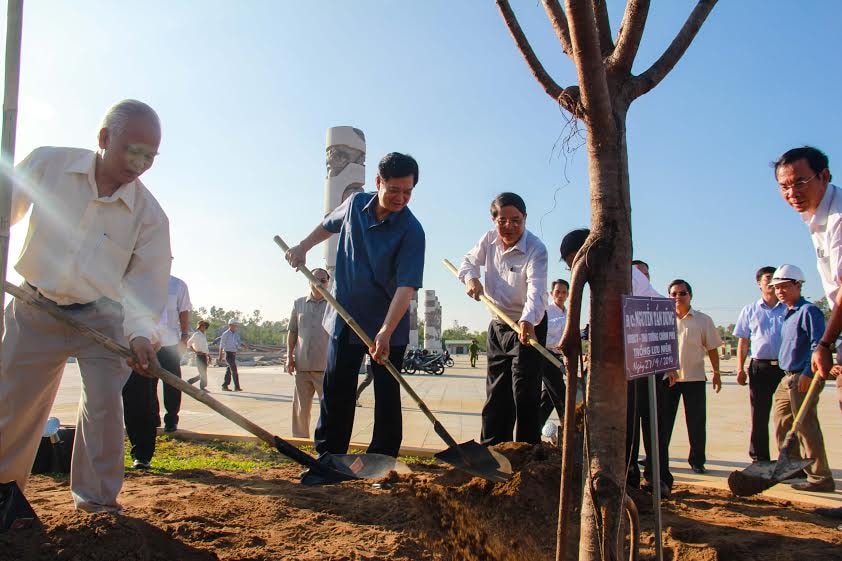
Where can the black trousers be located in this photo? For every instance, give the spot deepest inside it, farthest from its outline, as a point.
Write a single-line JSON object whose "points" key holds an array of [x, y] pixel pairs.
{"points": [[638, 419], [554, 391], [170, 359], [513, 386], [141, 411], [140, 414], [763, 380], [695, 416], [231, 371], [338, 403]]}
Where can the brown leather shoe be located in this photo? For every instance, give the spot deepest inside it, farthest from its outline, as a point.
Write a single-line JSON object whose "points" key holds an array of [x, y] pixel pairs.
{"points": [[826, 486]]}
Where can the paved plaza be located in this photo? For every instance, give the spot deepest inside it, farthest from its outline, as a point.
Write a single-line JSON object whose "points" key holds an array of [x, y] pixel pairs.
{"points": [[456, 398]]}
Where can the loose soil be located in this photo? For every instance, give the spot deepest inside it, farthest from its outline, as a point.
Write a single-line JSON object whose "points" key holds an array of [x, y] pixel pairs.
{"points": [[435, 514]]}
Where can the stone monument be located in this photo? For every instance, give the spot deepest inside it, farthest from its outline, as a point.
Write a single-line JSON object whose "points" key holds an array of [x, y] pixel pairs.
{"points": [[345, 176], [432, 321]]}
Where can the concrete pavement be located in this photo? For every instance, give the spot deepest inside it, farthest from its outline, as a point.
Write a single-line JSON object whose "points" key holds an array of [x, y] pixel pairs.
{"points": [[456, 398]]}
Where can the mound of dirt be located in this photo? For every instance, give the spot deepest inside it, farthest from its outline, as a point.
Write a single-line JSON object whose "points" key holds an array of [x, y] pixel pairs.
{"points": [[435, 514]]}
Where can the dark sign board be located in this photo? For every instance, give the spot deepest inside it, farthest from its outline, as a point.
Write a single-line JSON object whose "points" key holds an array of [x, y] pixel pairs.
{"points": [[650, 337]]}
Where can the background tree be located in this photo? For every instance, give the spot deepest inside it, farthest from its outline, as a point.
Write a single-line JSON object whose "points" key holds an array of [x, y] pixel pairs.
{"points": [[606, 88]]}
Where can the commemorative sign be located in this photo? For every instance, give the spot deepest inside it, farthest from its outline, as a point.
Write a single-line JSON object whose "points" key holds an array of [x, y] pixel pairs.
{"points": [[650, 337]]}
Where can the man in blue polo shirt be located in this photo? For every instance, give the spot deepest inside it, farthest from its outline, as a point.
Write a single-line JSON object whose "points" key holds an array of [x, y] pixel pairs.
{"points": [[379, 265], [759, 331], [802, 330]]}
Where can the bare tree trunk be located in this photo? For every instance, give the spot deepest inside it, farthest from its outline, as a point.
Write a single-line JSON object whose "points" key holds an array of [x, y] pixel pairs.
{"points": [[609, 265]]}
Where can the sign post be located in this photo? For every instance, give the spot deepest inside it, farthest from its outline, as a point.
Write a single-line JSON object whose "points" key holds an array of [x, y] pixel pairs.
{"points": [[650, 342]]}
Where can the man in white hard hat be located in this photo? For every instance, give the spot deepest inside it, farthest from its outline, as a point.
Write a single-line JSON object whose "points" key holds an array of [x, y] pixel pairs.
{"points": [[229, 344], [802, 330]]}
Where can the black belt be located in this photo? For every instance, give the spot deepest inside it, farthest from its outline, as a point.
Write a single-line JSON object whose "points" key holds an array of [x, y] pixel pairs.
{"points": [[773, 362], [63, 306]]}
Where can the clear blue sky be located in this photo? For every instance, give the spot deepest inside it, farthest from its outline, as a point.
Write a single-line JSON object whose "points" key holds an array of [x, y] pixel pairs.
{"points": [[247, 89]]}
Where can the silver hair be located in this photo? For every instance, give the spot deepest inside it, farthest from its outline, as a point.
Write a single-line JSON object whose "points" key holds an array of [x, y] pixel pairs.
{"points": [[118, 115]]}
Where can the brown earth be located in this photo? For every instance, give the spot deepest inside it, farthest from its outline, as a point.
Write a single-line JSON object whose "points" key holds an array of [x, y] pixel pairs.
{"points": [[436, 514]]}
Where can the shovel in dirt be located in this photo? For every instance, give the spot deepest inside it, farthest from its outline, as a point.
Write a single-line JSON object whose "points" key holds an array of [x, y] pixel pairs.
{"points": [[762, 475], [330, 469], [470, 457]]}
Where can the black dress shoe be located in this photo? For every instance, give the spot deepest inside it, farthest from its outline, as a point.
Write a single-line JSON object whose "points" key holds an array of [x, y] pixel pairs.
{"points": [[238, 389], [226, 389], [699, 469], [827, 486], [170, 428]]}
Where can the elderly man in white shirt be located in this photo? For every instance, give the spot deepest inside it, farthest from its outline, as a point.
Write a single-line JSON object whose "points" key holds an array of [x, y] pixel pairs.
{"points": [[98, 245], [198, 343], [515, 262]]}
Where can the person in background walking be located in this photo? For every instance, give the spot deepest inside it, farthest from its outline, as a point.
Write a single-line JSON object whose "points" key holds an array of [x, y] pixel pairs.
{"points": [[474, 350], [198, 343], [229, 344]]}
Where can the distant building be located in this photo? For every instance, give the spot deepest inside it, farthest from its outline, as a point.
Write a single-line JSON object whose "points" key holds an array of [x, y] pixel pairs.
{"points": [[459, 347]]}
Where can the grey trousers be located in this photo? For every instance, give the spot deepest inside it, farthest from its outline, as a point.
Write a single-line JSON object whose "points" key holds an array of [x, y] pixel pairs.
{"points": [[35, 350], [787, 402]]}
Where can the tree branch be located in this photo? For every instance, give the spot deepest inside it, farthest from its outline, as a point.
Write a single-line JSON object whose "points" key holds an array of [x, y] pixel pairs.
{"points": [[559, 23], [550, 86], [590, 70], [639, 85], [631, 32], [603, 25]]}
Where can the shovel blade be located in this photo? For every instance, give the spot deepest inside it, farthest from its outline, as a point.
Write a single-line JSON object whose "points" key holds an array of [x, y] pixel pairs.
{"points": [[786, 467], [479, 460], [335, 468]]}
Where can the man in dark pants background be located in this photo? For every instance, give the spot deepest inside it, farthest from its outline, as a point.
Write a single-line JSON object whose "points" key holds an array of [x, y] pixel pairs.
{"points": [[141, 410], [554, 390], [229, 343], [515, 262], [759, 332], [379, 265]]}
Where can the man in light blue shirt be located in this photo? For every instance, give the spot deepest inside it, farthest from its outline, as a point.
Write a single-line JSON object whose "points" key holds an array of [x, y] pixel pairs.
{"points": [[759, 331], [229, 344], [379, 265]]}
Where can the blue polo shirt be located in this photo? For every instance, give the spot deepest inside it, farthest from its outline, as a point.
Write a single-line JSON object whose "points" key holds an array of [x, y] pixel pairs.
{"points": [[801, 332], [373, 259], [762, 326]]}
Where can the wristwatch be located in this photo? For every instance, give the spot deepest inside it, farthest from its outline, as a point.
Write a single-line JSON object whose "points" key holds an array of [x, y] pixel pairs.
{"points": [[824, 344]]}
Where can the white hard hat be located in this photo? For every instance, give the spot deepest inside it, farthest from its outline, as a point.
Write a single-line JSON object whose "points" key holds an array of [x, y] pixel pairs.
{"points": [[786, 273], [233, 321]]}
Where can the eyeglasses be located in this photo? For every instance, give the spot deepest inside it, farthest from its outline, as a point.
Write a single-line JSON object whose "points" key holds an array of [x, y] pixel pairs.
{"points": [[797, 185], [679, 293], [506, 221]]}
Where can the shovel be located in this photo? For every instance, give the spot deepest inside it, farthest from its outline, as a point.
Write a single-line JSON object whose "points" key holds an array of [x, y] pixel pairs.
{"points": [[470, 456], [762, 475], [333, 469]]}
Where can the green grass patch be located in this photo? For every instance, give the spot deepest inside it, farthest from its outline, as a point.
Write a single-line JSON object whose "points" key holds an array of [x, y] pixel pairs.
{"points": [[173, 454]]}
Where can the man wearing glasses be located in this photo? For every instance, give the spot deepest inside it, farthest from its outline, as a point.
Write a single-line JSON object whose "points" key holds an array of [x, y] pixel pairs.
{"points": [[697, 336], [98, 246], [803, 176], [307, 353], [379, 265], [515, 262]]}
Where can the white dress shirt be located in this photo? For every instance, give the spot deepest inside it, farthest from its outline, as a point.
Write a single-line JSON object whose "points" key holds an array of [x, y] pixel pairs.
{"points": [[556, 320], [81, 247], [178, 300], [641, 285], [198, 343], [515, 278], [826, 232]]}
